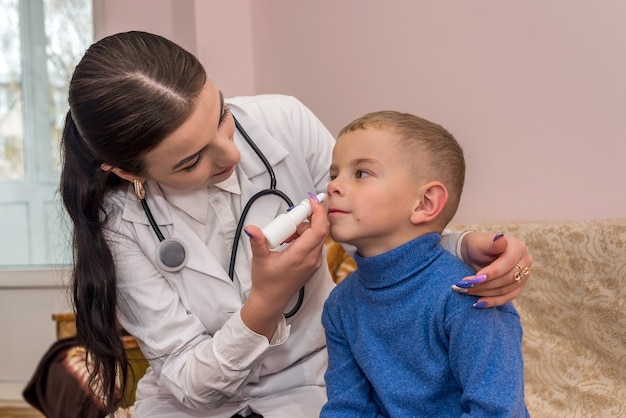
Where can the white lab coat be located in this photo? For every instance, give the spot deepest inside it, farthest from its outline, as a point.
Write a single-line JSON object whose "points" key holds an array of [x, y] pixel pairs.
{"points": [[203, 361]]}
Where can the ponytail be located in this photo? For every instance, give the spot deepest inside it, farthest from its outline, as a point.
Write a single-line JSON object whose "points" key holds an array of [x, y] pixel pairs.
{"points": [[128, 92], [83, 187]]}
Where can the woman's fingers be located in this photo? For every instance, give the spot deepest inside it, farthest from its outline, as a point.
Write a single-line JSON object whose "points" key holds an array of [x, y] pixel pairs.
{"points": [[501, 280]]}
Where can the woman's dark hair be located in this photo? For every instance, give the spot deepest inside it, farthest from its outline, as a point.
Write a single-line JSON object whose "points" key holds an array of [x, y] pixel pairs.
{"points": [[128, 92]]}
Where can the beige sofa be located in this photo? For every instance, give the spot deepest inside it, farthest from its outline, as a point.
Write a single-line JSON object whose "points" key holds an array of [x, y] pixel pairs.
{"points": [[574, 315]]}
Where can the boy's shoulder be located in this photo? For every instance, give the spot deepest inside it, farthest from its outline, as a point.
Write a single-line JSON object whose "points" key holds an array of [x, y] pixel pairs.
{"points": [[448, 269]]}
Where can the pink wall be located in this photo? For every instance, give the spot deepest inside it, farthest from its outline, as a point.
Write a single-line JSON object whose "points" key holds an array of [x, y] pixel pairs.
{"points": [[218, 32], [534, 90], [173, 19]]}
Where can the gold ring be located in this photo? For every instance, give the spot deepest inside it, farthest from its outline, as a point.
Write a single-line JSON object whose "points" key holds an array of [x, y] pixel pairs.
{"points": [[521, 273]]}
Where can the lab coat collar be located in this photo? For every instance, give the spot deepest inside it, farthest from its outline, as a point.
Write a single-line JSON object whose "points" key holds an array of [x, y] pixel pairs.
{"points": [[160, 208], [133, 211], [196, 203]]}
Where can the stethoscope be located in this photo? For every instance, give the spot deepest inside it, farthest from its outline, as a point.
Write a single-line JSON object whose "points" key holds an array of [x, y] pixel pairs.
{"points": [[172, 253]]}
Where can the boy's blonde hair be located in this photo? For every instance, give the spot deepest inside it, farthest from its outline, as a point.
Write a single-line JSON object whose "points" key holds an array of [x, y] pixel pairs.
{"points": [[430, 149]]}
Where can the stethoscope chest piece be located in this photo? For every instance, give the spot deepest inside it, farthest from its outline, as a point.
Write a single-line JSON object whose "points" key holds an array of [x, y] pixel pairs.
{"points": [[171, 255]]}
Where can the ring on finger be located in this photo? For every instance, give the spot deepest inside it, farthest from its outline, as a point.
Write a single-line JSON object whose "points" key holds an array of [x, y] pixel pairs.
{"points": [[521, 273]]}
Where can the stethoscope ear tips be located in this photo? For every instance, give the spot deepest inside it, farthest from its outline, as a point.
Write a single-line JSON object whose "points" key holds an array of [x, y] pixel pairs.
{"points": [[171, 255]]}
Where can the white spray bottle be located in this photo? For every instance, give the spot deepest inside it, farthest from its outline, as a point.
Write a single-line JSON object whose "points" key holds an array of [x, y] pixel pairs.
{"points": [[285, 224]]}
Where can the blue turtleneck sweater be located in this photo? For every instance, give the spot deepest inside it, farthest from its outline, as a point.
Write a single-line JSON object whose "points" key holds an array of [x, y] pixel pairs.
{"points": [[402, 344]]}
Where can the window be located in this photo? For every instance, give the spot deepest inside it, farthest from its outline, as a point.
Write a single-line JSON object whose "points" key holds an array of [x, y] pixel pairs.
{"points": [[40, 42]]}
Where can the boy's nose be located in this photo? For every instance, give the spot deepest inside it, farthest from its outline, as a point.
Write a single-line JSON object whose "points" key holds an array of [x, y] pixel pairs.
{"points": [[334, 187]]}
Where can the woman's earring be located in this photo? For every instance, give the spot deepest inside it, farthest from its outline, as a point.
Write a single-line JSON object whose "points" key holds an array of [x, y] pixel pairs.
{"points": [[140, 192]]}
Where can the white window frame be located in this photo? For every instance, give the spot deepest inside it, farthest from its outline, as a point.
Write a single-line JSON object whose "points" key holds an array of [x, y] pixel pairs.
{"points": [[34, 227]]}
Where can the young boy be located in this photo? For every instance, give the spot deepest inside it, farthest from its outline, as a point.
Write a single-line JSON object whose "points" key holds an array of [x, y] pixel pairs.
{"points": [[400, 342]]}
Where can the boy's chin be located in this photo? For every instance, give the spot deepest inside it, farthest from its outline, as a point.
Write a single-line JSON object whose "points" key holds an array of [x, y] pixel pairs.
{"points": [[339, 237]]}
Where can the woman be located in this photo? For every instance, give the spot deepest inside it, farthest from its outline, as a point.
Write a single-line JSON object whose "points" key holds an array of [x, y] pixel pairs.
{"points": [[147, 128]]}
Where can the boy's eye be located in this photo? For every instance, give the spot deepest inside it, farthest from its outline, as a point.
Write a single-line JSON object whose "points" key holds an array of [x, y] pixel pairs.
{"points": [[361, 173]]}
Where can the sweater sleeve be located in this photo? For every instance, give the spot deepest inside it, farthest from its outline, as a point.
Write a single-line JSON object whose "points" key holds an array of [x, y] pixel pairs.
{"points": [[485, 352]]}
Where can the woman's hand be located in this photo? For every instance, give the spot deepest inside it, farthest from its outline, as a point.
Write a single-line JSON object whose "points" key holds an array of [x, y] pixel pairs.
{"points": [[500, 262], [278, 275]]}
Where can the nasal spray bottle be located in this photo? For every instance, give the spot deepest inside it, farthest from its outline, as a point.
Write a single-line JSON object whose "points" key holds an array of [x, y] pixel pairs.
{"points": [[277, 231]]}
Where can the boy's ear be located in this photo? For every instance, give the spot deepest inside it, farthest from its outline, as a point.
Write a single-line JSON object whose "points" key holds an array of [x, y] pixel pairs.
{"points": [[433, 201], [120, 173]]}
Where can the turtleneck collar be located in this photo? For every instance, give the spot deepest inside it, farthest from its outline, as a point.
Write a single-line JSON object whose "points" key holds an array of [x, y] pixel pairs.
{"points": [[396, 265]]}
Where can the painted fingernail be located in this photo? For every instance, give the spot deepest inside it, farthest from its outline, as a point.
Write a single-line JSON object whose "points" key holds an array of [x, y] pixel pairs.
{"points": [[247, 233], [290, 208], [466, 284], [314, 197], [457, 289], [480, 305], [498, 236], [479, 279]]}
